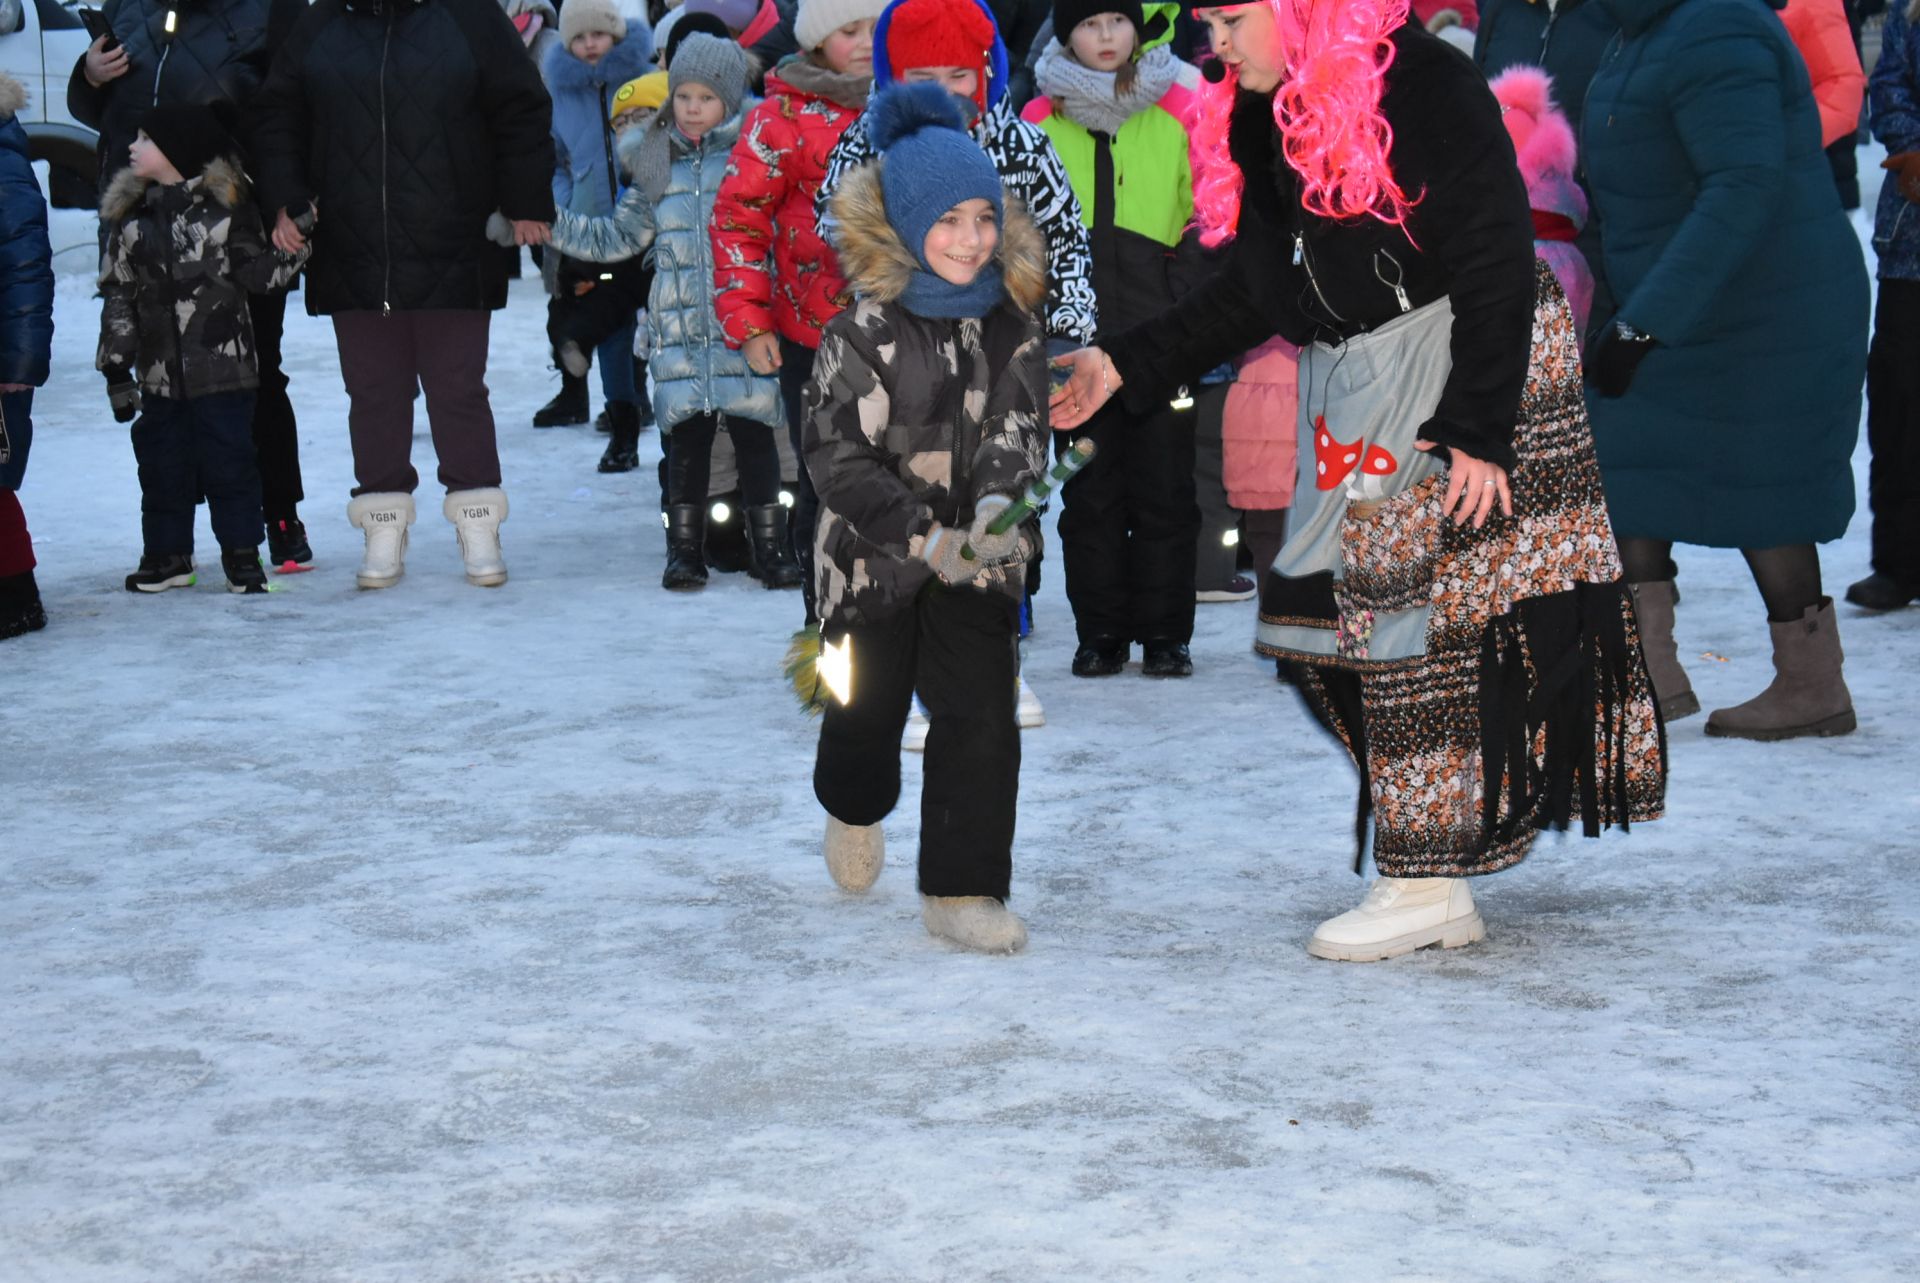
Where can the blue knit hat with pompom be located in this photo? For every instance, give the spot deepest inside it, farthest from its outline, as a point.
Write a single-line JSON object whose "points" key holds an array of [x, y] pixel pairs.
{"points": [[932, 162]]}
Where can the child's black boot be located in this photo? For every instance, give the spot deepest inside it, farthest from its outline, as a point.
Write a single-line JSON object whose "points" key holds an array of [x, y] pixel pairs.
{"points": [[569, 404], [159, 572], [623, 451], [686, 532], [773, 562], [287, 546], [244, 572]]}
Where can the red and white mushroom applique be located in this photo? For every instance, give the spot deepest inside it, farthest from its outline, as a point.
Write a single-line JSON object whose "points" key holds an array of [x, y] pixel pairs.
{"points": [[1335, 463]]}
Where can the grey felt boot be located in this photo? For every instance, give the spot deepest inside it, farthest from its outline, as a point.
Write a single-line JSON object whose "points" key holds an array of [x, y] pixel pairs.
{"points": [[1653, 607], [1808, 695]]}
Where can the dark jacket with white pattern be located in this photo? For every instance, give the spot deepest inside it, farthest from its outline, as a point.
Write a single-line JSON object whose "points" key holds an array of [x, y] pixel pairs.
{"points": [[911, 421], [180, 262]]}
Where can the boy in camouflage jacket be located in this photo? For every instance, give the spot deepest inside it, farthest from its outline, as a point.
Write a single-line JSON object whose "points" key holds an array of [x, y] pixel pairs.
{"points": [[925, 419], [176, 340]]}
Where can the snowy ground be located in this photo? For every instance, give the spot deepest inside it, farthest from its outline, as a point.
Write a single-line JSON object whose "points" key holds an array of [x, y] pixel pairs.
{"points": [[454, 935]]}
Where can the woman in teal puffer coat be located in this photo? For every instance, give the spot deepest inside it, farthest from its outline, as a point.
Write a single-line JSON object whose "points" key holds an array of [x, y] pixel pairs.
{"points": [[1725, 392]]}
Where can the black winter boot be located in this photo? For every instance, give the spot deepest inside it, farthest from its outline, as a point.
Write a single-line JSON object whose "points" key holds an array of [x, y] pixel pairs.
{"points": [[244, 573], [623, 451], [569, 404], [287, 546], [686, 531], [20, 608], [160, 572], [773, 563]]}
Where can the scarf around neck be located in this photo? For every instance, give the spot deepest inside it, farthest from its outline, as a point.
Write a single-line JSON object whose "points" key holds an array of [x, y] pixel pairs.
{"points": [[936, 299], [1086, 97]]}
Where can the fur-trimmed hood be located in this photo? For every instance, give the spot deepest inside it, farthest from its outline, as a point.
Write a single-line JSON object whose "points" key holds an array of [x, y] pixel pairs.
{"points": [[13, 98], [628, 59], [878, 265], [221, 182]]}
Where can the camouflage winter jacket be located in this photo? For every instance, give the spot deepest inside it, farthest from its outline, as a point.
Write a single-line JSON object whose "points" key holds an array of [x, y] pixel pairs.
{"points": [[179, 264], [910, 421]]}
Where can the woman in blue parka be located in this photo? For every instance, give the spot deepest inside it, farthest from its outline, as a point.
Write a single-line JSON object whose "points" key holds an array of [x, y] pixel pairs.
{"points": [[26, 348], [1725, 391]]}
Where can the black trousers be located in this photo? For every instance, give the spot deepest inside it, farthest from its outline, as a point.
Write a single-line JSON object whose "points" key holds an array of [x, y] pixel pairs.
{"points": [[796, 371], [689, 459], [189, 448], [959, 649], [276, 437], [1893, 431], [1129, 526]]}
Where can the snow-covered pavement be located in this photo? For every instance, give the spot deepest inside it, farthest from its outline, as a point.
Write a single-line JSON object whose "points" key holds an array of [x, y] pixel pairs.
{"points": [[444, 934]]}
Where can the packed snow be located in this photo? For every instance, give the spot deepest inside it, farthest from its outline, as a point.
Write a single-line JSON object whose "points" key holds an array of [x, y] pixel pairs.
{"points": [[449, 934]]}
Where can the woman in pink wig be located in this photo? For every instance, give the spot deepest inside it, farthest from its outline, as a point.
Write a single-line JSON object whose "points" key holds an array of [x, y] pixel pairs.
{"points": [[1450, 590]]}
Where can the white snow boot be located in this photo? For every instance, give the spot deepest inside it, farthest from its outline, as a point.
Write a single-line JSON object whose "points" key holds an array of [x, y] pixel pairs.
{"points": [[384, 516], [977, 922], [855, 854], [1398, 916], [476, 516], [1027, 709]]}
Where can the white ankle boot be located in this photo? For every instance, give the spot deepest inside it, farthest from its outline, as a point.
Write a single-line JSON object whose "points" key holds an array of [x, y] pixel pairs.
{"points": [[1027, 709], [977, 922], [855, 854], [1398, 916], [385, 517], [476, 516]]}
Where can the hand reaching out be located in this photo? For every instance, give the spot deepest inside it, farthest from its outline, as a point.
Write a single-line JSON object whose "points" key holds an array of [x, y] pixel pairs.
{"points": [[1472, 487], [1090, 381]]}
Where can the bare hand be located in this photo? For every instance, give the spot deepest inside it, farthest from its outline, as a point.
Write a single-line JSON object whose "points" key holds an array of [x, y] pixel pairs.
{"points": [[526, 231], [286, 237], [100, 66], [762, 352], [16, 387], [1472, 487], [1091, 380]]}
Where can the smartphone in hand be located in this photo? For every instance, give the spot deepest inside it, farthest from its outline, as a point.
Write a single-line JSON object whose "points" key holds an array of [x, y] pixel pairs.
{"points": [[96, 24]]}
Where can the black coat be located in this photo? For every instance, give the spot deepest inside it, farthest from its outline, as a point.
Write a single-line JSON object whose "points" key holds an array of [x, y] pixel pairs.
{"points": [[410, 121], [1471, 241], [219, 53]]}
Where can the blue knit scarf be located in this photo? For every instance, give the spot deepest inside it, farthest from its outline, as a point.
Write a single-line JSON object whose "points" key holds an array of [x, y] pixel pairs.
{"points": [[937, 299]]}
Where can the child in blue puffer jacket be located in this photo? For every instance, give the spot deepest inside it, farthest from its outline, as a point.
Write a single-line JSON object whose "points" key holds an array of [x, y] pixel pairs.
{"points": [[677, 162], [594, 57]]}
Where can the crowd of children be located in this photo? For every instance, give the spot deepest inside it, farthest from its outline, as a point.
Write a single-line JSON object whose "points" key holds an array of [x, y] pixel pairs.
{"points": [[864, 253]]}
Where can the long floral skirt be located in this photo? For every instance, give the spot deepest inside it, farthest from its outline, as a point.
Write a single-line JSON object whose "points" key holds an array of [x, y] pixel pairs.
{"points": [[1531, 707]]}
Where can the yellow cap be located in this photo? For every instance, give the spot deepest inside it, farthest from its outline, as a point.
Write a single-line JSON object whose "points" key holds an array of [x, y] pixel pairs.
{"points": [[639, 94]]}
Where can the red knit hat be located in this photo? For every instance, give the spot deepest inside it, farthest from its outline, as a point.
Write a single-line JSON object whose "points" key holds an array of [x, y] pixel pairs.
{"points": [[941, 33]]}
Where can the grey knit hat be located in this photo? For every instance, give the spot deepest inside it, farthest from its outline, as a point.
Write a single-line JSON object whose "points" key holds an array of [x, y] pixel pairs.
{"points": [[720, 65]]}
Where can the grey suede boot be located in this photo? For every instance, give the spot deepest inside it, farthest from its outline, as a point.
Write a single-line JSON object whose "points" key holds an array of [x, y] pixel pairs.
{"points": [[1808, 695], [1653, 607]]}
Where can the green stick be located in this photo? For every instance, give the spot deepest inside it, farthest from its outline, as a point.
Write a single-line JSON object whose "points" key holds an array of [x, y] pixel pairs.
{"points": [[1037, 493]]}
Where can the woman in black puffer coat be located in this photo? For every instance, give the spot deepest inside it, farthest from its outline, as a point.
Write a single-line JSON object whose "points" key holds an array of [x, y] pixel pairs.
{"points": [[405, 124]]}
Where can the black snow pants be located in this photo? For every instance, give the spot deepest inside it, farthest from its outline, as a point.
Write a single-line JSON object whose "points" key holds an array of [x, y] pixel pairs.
{"points": [[1893, 431], [959, 648], [1128, 528]]}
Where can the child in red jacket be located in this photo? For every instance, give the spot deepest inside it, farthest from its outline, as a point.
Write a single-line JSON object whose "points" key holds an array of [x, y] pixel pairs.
{"points": [[776, 281]]}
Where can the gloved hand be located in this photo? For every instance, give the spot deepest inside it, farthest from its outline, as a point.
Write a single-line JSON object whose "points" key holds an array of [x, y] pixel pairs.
{"points": [[500, 229], [1613, 356], [1905, 166], [123, 394], [941, 551], [992, 549]]}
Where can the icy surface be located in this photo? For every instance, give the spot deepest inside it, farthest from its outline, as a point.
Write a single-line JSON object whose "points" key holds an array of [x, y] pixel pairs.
{"points": [[443, 934]]}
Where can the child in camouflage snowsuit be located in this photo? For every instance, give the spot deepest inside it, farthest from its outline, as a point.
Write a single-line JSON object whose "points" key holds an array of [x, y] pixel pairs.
{"points": [[924, 421], [184, 247]]}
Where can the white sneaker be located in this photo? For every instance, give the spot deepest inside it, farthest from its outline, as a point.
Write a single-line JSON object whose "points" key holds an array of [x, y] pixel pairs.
{"points": [[914, 738], [1398, 916], [977, 922], [476, 516], [855, 854], [385, 517], [1027, 709]]}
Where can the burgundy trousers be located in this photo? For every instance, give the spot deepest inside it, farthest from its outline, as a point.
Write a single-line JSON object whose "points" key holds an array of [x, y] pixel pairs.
{"points": [[386, 361]]}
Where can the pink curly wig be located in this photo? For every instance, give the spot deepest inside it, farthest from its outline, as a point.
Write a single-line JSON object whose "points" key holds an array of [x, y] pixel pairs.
{"points": [[1334, 59]]}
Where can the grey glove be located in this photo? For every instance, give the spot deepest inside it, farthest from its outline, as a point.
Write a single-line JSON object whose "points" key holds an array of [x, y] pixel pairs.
{"points": [[992, 549], [941, 551], [123, 394]]}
